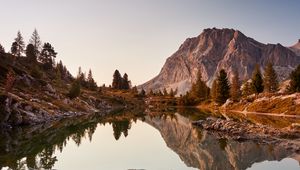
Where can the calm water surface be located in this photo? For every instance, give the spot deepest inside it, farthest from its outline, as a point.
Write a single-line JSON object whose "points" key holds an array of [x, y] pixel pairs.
{"points": [[159, 142]]}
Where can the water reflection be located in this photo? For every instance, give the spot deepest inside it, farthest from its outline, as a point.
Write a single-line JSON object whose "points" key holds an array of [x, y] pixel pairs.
{"points": [[35, 147]]}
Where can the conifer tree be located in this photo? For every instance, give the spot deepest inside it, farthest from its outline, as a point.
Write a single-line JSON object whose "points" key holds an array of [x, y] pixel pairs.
{"points": [[235, 92], [20, 44], [30, 53], [2, 50], [165, 92], [172, 93], [223, 88], [151, 93], [199, 91], [270, 79], [47, 56], [213, 91], [246, 89], [125, 82], [117, 80], [91, 82], [14, 49], [294, 85], [257, 81], [35, 40], [75, 90]]}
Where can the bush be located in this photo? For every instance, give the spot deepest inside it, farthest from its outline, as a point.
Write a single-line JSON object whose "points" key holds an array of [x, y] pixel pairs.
{"points": [[75, 90]]}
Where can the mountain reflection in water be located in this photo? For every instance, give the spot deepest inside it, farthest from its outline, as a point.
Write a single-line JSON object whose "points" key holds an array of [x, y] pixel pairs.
{"points": [[35, 147]]}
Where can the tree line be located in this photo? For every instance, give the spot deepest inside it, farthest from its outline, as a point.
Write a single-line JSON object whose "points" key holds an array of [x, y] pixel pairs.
{"points": [[222, 89]]}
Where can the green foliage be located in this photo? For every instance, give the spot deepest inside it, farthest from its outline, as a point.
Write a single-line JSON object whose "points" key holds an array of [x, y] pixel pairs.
{"points": [[222, 88], [2, 50], [117, 80], [47, 56], [18, 45], [270, 79], [36, 42], [75, 90], [120, 82], [199, 90], [295, 80], [257, 81], [246, 89], [92, 85], [30, 53], [36, 72], [125, 82], [235, 92]]}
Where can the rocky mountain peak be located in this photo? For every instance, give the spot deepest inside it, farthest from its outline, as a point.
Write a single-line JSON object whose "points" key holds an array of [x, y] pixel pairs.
{"points": [[215, 49]]}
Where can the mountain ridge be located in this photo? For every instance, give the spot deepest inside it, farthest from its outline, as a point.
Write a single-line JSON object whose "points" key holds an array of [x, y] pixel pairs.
{"points": [[215, 49]]}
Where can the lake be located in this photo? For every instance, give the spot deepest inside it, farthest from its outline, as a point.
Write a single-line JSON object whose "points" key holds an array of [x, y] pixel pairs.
{"points": [[128, 141]]}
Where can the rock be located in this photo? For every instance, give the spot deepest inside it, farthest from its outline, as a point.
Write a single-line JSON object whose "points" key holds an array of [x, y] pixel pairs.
{"points": [[49, 88], [28, 108], [216, 49]]}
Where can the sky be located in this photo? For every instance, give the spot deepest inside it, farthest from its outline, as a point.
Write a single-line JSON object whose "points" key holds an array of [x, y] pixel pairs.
{"points": [[137, 36]]}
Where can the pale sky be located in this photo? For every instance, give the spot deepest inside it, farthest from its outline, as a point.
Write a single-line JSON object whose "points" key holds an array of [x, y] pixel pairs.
{"points": [[137, 36]]}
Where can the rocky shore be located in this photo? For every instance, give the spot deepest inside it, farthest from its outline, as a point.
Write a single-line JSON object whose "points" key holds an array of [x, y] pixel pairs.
{"points": [[242, 131]]}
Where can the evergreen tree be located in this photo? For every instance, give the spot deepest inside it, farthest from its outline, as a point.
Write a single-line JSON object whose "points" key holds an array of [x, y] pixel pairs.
{"points": [[20, 44], [125, 82], [142, 93], [223, 88], [165, 92], [47, 56], [36, 42], [172, 93], [117, 80], [257, 81], [14, 48], [235, 92], [213, 91], [199, 91], [151, 93], [134, 90], [91, 82], [247, 89], [30, 53], [295, 80], [58, 76], [270, 79], [75, 90], [2, 50]]}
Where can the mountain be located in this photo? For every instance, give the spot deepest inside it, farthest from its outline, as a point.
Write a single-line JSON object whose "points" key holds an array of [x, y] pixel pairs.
{"points": [[205, 151], [296, 48], [216, 49]]}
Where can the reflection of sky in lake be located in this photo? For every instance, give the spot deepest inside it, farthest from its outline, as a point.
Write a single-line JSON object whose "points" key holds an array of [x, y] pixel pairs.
{"points": [[286, 164], [143, 148]]}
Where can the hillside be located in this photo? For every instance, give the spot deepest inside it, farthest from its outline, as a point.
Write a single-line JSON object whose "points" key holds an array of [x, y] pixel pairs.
{"points": [[41, 96], [216, 49]]}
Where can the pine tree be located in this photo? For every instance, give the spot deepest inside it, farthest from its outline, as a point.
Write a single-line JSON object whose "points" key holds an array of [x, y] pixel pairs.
{"points": [[223, 88], [151, 93], [172, 93], [142, 93], [20, 45], [246, 89], [30, 53], [235, 92], [117, 80], [270, 79], [47, 56], [125, 82], [199, 91], [14, 48], [2, 50], [36, 42], [295, 80], [91, 82], [214, 90], [257, 81], [165, 92], [75, 90]]}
